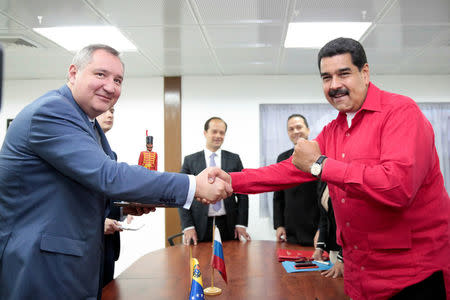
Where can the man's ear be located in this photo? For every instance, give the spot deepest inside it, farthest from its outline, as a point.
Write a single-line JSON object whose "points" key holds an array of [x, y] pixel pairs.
{"points": [[366, 74], [73, 70]]}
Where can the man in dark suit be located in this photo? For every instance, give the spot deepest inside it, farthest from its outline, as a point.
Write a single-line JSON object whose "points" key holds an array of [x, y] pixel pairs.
{"points": [[231, 214], [112, 226], [57, 172], [296, 212]]}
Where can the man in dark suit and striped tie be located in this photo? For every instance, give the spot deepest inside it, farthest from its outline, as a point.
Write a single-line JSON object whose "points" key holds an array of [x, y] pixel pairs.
{"points": [[231, 214]]}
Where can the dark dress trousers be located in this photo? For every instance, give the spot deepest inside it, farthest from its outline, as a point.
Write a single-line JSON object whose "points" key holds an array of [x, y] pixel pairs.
{"points": [[112, 243], [297, 210], [236, 206]]}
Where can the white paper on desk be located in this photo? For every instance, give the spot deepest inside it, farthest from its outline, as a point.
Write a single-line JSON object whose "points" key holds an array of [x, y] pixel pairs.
{"points": [[135, 224]]}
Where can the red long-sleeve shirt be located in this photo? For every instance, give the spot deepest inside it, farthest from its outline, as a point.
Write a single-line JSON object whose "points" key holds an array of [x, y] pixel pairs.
{"points": [[391, 207]]}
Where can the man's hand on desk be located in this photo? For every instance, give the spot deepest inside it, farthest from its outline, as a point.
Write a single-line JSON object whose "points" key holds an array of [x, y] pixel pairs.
{"points": [[281, 234], [210, 187], [190, 234], [317, 255], [241, 232], [336, 271], [111, 226]]}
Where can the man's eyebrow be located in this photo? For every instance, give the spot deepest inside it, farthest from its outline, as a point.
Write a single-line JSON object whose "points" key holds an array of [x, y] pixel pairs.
{"points": [[344, 69], [339, 71], [107, 72]]}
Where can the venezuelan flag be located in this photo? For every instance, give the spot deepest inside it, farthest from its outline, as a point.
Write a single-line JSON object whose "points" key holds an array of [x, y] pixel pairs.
{"points": [[197, 284], [218, 260]]}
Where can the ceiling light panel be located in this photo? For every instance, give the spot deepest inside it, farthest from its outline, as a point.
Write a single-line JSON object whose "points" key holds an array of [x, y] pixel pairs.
{"points": [[317, 34], [74, 38], [54, 13]]}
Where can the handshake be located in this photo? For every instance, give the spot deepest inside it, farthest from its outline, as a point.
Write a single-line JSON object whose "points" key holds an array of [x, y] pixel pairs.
{"points": [[213, 184]]}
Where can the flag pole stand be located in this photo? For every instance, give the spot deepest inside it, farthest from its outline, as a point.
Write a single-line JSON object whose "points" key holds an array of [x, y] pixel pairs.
{"points": [[212, 290]]}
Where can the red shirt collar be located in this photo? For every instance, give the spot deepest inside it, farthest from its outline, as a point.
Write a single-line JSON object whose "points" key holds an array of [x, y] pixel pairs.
{"points": [[372, 101]]}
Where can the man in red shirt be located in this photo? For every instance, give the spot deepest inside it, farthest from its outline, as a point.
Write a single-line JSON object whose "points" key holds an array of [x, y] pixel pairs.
{"points": [[380, 162]]}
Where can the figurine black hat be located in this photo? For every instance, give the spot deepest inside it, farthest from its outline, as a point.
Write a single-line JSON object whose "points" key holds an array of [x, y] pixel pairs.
{"points": [[149, 139]]}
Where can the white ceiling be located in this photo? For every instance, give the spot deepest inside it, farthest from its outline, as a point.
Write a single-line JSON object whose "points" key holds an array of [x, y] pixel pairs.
{"points": [[228, 37]]}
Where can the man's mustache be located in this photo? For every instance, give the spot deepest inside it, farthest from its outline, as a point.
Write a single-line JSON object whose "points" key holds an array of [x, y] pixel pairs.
{"points": [[333, 93]]}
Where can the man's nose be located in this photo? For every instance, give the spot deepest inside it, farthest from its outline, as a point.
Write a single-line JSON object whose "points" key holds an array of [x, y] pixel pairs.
{"points": [[335, 83], [109, 86]]}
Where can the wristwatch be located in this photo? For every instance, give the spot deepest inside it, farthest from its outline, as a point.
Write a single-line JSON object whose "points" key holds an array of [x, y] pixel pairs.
{"points": [[316, 167]]}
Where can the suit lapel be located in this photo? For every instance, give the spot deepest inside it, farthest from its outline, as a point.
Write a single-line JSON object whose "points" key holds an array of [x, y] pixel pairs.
{"points": [[201, 161], [104, 141], [224, 161], [67, 93]]}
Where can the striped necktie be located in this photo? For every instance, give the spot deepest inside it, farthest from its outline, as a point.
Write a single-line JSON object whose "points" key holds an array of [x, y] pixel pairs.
{"points": [[212, 163]]}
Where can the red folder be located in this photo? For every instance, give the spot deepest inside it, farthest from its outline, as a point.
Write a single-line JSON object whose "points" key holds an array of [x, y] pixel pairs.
{"points": [[293, 255]]}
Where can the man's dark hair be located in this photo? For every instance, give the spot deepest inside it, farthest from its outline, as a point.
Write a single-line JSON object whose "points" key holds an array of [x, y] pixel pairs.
{"points": [[299, 116], [206, 127], [341, 46]]}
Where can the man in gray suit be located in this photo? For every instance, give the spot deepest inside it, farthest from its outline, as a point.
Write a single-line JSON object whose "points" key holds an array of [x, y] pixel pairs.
{"points": [[231, 214], [57, 172]]}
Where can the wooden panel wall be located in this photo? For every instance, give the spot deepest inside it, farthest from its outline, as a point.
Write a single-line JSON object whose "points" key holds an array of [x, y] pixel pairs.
{"points": [[172, 143]]}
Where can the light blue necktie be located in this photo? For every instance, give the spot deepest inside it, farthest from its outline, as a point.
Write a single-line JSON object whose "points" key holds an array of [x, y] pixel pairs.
{"points": [[212, 163]]}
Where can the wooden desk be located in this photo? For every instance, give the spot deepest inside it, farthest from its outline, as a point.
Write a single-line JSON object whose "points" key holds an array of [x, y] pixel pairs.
{"points": [[252, 269]]}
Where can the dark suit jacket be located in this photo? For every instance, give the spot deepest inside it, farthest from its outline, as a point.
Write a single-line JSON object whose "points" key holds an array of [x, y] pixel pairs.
{"points": [[236, 206], [112, 243], [54, 180], [327, 225], [297, 210]]}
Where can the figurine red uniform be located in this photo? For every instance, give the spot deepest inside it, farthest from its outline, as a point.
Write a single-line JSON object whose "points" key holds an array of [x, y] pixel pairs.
{"points": [[149, 159]]}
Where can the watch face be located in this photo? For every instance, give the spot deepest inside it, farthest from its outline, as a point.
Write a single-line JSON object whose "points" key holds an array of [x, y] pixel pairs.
{"points": [[315, 169]]}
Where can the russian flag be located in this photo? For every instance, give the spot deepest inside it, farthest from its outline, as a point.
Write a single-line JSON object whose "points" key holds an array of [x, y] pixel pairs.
{"points": [[218, 261]]}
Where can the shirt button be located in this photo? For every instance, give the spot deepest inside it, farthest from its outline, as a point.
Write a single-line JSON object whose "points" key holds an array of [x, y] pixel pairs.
{"points": [[362, 268], [343, 155], [347, 224], [343, 200], [356, 247], [347, 134]]}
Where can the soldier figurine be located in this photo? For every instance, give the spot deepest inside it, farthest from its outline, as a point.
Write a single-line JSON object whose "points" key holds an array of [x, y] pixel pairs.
{"points": [[149, 159]]}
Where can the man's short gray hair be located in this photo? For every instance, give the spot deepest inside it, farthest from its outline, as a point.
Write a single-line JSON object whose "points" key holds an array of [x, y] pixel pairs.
{"points": [[84, 56]]}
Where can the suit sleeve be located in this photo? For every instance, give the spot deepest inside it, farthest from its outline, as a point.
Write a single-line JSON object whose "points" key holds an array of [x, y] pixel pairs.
{"points": [[242, 202], [186, 218], [60, 136], [278, 205]]}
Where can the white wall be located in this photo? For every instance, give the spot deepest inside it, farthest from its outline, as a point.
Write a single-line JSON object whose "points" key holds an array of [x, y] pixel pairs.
{"points": [[234, 98]]}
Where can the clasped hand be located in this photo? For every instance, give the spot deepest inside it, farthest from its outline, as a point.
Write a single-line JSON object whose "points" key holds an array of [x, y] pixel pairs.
{"points": [[213, 184], [305, 154]]}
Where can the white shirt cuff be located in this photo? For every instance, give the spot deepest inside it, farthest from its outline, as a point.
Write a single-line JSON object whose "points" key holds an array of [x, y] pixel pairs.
{"points": [[187, 228], [242, 226], [191, 193]]}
